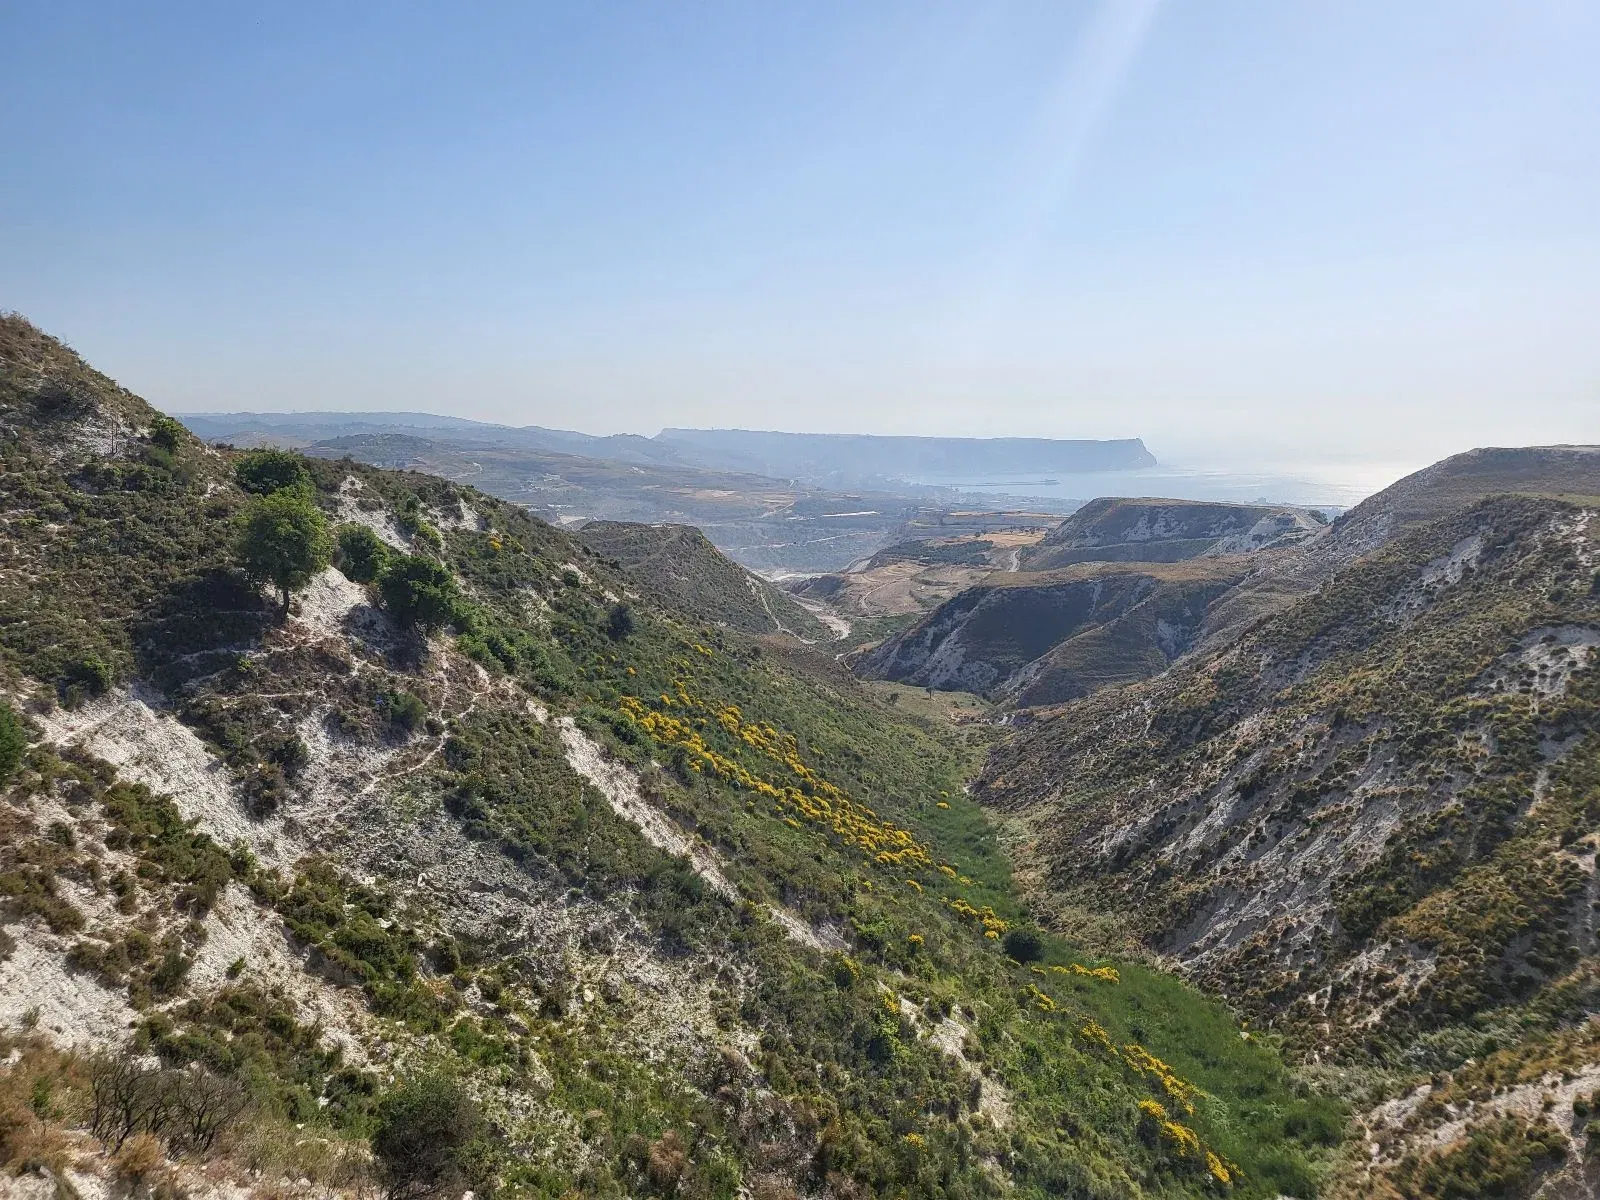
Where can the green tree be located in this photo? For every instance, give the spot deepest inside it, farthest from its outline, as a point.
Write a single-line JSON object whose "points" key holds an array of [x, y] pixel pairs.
{"points": [[283, 541], [419, 592], [267, 471], [362, 553], [13, 740], [166, 433], [1024, 945], [619, 622], [430, 1140]]}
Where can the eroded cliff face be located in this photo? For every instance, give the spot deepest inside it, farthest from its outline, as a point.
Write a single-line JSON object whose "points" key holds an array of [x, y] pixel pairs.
{"points": [[1371, 816], [1118, 529], [1039, 639]]}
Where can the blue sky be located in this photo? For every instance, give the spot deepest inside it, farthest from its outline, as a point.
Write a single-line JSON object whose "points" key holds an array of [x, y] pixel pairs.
{"points": [[1241, 230]]}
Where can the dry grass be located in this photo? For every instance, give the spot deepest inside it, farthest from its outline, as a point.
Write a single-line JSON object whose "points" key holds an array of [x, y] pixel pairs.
{"points": [[44, 1101]]}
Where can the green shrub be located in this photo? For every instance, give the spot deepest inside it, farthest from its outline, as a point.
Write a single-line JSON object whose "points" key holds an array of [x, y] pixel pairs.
{"points": [[404, 710], [429, 1140], [619, 622], [428, 538], [1024, 945], [267, 471], [419, 592], [13, 740], [166, 433], [408, 515], [89, 675], [361, 554]]}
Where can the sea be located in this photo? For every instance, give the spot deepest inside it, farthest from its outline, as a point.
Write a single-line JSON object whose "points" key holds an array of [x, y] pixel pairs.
{"points": [[1329, 486]]}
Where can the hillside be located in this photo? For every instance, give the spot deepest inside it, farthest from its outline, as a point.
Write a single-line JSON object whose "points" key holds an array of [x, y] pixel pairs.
{"points": [[1116, 529], [687, 573], [1372, 822], [455, 879], [919, 573], [1114, 593], [1427, 495], [1040, 638]]}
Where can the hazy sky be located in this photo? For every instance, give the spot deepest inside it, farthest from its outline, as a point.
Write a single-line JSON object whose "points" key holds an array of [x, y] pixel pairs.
{"points": [[1236, 229]]}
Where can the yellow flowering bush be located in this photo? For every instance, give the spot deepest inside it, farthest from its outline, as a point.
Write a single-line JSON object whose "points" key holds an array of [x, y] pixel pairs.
{"points": [[1107, 974], [985, 918], [1184, 1143], [1141, 1060], [1092, 1031], [1220, 1171], [812, 798]]}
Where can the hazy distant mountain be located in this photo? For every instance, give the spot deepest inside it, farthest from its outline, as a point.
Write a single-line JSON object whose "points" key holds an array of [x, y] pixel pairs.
{"points": [[304, 428], [822, 459]]}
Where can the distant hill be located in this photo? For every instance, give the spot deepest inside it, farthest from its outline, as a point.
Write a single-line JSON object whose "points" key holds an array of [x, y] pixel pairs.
{"points": [[830, 460], [304, 428], [1115, 529], [1040, 638], [1116, 592], [833, 458], [678, 564]]}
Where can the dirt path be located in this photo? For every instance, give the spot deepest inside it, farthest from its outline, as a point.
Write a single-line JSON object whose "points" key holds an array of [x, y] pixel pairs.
{"points": [[760, 594], [838, 624]]}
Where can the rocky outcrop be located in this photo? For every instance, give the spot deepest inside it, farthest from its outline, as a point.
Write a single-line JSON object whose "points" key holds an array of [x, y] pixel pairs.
{"points": [[1118, 529]]}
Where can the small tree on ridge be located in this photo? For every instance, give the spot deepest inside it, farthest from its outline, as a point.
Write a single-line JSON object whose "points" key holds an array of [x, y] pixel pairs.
{"points": [[283, 541]]}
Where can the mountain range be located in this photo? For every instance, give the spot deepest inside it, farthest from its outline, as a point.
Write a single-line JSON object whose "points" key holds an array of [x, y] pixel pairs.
{"points": [[815, 459]]}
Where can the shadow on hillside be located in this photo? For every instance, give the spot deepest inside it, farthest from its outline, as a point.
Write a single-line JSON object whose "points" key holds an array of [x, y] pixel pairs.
{"points": [[198, 628], [372, 629]]}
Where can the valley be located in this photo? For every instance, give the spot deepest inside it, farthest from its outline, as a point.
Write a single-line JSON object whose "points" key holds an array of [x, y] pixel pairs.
{"points": [[487, 828], [1170, 849]]}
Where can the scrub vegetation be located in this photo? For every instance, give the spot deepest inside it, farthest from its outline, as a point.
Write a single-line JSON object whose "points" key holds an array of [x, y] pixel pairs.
{"points": [[832, 988]]}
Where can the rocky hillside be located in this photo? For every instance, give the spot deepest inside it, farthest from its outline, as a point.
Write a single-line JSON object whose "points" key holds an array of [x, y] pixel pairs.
{"points": [[1116, 529], [1427, 495], [1031, 638], [446, 875], [1070, 621], [683, 570], [1372, 823]]}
